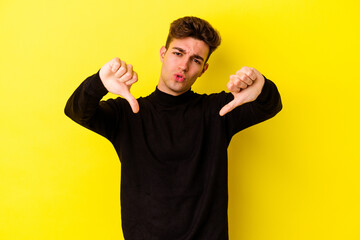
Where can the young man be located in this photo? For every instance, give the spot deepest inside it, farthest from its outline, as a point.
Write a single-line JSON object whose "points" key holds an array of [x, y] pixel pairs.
{"points": [[173, 143]]}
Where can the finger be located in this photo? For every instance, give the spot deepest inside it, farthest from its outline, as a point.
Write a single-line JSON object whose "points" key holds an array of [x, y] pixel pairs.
{"points": [[115, 64], [250, 72], [246, 80], [237, 83], [228, 108], [122, 70], [134, 104], [133, 80], [128, 75], [231, 85]]}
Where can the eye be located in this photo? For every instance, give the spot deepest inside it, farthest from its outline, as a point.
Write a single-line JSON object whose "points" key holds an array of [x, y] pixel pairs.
{"points": [[177, 53], [197, 61]]}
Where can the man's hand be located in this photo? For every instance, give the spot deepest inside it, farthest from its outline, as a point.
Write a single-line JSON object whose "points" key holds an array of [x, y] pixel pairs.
{"points": [[246, 86], [117, 77]]}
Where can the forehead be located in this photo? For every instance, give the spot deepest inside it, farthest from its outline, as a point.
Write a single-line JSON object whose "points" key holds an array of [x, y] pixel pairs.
{"points": [[191, 46]]}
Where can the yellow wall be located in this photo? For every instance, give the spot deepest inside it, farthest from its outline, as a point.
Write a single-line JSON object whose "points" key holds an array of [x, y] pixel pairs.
{"points": [[293, 177]]}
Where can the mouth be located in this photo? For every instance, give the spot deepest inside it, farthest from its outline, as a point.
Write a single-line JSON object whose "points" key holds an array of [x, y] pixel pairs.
{"points": [[179, 77]]}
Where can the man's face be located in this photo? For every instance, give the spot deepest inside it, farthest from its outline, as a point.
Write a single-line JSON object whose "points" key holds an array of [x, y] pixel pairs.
{"points": [[182, 63]]}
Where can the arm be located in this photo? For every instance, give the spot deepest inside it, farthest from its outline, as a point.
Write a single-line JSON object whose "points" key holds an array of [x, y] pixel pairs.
{"points": [[84, 105]]}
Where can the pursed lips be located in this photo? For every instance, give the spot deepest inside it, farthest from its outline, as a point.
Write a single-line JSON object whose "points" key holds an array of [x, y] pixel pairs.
{"points": [[179, 77]]}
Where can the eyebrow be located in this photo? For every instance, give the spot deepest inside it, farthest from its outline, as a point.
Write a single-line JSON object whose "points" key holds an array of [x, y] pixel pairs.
{"points": [[183, 51]]}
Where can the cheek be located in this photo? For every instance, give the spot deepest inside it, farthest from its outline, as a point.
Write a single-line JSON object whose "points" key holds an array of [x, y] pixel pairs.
{"points": [[168, 63], [197, 71], [165, 64]]}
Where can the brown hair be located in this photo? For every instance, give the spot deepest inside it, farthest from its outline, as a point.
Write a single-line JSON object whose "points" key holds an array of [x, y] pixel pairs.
{"points": [[196, 28]]}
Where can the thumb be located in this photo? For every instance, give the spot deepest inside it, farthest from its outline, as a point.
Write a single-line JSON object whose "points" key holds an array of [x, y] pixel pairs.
{"points": [[132, 101], [228, 107]]}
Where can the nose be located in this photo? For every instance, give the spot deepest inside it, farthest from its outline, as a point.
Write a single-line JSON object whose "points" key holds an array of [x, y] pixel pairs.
{"points": [[184, 64]]}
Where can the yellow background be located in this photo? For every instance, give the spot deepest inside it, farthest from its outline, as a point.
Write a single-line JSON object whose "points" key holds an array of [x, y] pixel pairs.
{"points": [[295, 176]]}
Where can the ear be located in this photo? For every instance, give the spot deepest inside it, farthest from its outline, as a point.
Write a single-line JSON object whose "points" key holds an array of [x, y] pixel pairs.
{"points": [[204, 69], [162, 53]]}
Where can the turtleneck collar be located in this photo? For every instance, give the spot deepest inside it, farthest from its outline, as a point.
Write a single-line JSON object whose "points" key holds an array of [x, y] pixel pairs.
{"points": [[169, 100]]}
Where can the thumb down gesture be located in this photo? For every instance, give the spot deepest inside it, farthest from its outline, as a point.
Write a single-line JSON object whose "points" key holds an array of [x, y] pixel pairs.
{"points": [[245, 85], [118, 77]]}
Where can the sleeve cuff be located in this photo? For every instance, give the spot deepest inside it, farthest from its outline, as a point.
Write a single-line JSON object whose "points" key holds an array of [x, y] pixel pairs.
{"points": [[265, 92], [95, 87]]}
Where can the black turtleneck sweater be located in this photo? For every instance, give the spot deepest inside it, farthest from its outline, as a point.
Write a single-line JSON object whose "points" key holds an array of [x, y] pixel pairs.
{"points": [[173, 156]]}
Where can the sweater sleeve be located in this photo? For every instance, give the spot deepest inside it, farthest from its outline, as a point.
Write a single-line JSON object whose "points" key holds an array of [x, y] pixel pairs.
{"points": [[86, 108], [266, 106]]}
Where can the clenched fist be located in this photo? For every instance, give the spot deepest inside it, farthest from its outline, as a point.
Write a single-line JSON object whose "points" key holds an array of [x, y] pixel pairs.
{"points": [[245, 85], [118, 77]]}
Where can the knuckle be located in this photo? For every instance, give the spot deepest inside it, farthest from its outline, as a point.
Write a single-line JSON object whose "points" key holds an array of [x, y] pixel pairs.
{"points": [[248, 71], [123, 67], [127, 76], [122, 71], [124, 78], [229, 85], [119, 73], [135, 76], [245, 68], [236, 81], [243, 77]]}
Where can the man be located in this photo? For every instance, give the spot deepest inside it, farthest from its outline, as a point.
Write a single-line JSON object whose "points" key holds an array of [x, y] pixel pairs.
{"points": [[173, 143]]}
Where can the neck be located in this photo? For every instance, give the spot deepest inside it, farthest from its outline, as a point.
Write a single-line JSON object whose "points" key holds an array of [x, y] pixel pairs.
{"points": [[163, 88], [166, 99]]}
